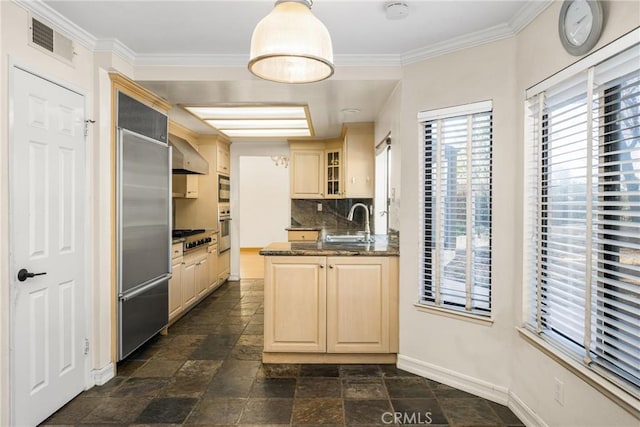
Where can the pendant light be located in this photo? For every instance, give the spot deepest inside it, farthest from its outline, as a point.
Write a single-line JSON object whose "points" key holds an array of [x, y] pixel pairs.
{"points": [[291, 45]]}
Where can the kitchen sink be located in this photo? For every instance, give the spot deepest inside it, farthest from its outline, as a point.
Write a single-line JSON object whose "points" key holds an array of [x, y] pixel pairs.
{"points": [[346, 238]]}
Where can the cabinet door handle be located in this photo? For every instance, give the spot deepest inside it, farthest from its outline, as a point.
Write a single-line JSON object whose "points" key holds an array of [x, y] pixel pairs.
{"points": [[331, 266], [321, 266]]}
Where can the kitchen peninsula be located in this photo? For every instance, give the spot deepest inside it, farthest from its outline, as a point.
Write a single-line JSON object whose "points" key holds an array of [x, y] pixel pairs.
{"points": [[328, 302]]}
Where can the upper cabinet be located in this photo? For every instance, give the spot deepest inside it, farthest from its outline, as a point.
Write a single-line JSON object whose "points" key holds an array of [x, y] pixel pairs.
{"points": [[359, 160], [223, 158], [334, 168], [333, 160], [307, 170]]}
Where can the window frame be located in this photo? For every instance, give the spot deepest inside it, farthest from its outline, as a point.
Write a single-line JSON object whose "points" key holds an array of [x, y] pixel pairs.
{"points": [[614, 385], [435, 304]]}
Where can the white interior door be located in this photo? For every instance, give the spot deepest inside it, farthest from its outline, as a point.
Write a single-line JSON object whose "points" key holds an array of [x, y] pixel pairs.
{"points": [[47, 215]]}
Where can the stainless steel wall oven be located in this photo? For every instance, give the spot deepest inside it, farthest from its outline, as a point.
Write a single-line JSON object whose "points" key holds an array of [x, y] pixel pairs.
{"points": [[224, 189], [224, 218]]}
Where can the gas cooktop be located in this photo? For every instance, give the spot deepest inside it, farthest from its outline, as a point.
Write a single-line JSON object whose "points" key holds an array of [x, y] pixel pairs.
{"points": [[176, 234]]}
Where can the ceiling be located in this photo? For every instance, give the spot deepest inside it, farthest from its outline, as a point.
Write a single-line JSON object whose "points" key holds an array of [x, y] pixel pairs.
{"points": [[217, 32]]}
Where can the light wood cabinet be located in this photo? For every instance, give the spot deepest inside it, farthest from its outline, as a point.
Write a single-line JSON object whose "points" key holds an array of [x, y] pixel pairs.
{"points": [[185, 186], [333, 305], [224, 266], [333, 173], [358, 295], [359, 160], [303, 236], [202, 274], [212, 262], [189, 294], [334, 168], [223, 159], [307, 174], [175, 288], [295, 304]]}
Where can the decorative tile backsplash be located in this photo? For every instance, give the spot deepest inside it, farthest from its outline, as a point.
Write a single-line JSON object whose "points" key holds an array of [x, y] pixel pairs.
{"points": [[304, 213]]}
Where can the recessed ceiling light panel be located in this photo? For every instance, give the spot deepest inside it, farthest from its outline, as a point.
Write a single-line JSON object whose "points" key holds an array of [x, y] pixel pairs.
{"points": [[256, 121]]}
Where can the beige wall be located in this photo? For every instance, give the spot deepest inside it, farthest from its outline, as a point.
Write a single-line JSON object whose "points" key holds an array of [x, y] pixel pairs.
{"points": [[539, 56], [14, 48], [388, 120], [494, 360], [88, 75], [479, 74]]}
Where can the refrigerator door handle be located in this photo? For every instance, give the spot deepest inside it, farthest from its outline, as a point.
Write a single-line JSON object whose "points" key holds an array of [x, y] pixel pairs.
{"points": [[140, 290]]}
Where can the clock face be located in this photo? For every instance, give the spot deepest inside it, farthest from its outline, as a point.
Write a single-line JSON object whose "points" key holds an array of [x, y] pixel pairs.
{"points": [[578, 22]]}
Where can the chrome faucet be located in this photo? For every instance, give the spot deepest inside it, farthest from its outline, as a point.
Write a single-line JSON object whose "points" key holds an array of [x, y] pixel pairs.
{"points": [[367, 230]]}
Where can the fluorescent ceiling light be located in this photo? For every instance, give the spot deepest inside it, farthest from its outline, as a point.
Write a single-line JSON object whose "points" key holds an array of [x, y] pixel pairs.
{"points": [[258, 124], [266, 133], [258, 112], [256, 121]]}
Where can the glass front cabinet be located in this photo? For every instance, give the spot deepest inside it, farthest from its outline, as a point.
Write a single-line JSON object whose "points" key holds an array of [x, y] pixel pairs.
{"points": [[333, 181]]}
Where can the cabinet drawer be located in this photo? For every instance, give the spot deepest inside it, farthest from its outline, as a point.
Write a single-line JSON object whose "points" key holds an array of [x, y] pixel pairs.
{"points": [[176, 250], [296, 236]]}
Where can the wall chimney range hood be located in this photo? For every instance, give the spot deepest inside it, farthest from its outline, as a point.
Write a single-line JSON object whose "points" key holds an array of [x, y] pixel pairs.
{"points": [[185, 158]]}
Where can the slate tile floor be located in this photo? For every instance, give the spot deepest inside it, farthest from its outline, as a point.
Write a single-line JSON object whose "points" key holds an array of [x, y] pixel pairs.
{"points": [[207, 371]]}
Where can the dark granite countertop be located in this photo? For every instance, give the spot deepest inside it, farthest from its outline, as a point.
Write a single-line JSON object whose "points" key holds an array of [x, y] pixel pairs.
{"points": [[380, 247], [303, 228]]}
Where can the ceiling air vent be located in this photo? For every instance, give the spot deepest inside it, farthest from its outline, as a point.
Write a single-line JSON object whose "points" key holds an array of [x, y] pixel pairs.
{"points": [[51, 40]]}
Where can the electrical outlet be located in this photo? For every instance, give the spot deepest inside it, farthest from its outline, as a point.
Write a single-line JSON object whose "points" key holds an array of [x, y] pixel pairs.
{"points": [[558, 391], [319, 207]]}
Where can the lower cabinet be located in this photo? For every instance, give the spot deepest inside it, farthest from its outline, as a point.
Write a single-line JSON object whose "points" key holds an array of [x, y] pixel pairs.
{"points": [[224, 266], [358, 312], [202, 274], [295, 304], [195, 277], [175, 288], [331, 304], [189, 294], [212, 262]]}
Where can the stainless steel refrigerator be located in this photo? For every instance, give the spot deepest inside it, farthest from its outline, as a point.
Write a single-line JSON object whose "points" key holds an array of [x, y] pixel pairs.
{"points": [[144, 238]]}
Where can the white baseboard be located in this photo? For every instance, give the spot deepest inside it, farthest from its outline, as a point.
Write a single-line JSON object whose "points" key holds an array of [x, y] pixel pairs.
{"points": [[475, 386], [524, 413], [484, 389], [234, 277], [103, 375]]}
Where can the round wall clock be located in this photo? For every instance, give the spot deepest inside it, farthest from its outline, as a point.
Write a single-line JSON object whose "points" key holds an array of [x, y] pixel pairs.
{"points": [[580, 25]]}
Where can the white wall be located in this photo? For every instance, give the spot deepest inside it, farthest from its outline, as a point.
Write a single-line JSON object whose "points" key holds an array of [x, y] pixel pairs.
{"points": [[239, 150], [462, 347], [14, 48], [540, 55], [88, 75], [389, 120], [265, 206], [493, 360]]}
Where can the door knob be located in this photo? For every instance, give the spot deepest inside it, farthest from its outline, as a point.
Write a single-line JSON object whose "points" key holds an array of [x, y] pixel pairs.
{"points": [[24, 274]]}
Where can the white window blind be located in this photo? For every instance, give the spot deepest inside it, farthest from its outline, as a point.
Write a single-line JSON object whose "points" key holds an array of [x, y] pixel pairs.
{"points": [[456, 214], [583, 208]]}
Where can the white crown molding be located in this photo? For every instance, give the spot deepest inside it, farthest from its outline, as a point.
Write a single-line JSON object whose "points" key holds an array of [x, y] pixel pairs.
{"points": [[240, 60], [527, 13], [60, 23], [191, 60], [377, 60], [488, 35], [116, 47]]}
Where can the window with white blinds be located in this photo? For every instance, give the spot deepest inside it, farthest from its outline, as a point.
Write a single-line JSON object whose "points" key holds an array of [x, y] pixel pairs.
{"points": [[583, 210], [456, 209]]}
